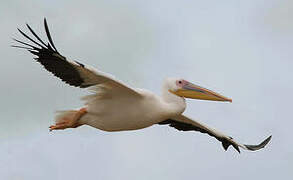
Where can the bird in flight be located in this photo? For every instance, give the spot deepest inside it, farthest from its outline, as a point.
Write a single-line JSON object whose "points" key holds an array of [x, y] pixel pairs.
{"points": [[115, 106]]}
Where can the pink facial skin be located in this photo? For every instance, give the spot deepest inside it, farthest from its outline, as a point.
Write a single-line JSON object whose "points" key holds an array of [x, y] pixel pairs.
{"points": [[180, 83]]}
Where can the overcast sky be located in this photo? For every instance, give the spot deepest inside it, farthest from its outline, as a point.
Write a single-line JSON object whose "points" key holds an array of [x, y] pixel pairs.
{"points": [[241, 49]]}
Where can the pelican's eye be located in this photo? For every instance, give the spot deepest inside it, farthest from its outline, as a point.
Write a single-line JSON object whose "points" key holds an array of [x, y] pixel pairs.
{"points": [[180, 83]]}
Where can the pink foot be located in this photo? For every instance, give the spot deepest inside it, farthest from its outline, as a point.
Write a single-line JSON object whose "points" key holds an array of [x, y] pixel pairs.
{"points": [[69, 122]]}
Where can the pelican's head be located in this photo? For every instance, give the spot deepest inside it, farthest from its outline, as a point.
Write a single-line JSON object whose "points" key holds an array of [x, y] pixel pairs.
{"points": [[183, 88]]}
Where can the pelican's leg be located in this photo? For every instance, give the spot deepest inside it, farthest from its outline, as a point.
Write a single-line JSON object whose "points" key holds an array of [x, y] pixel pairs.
{"points": [[69, 121]]}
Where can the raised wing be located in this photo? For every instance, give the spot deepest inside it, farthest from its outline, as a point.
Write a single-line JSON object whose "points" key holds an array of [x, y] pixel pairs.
{"points": [[183, 123], [71, 72]]}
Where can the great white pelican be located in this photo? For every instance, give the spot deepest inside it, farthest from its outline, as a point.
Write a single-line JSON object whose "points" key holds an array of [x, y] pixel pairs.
{"points": [[114, 106]]}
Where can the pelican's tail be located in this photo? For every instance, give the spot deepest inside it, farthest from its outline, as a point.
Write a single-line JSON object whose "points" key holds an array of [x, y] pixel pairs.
{"points": [[62, 115], [68, 119]]}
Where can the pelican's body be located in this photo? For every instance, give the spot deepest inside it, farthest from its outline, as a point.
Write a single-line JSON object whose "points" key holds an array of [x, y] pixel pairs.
{"points": [[114, 106], [131, 113]]}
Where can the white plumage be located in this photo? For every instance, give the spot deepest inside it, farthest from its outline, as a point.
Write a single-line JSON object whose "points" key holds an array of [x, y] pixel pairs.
{"points": [[114, 106]]}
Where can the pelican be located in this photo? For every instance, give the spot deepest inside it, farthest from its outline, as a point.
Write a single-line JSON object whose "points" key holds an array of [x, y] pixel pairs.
{"points": [[115, 106]]}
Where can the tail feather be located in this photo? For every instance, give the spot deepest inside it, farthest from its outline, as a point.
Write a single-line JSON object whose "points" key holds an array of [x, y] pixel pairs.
{"points": [[61, 115]]}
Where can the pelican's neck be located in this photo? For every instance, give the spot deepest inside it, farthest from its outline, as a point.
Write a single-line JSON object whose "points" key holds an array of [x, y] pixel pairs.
{"points": [[176, 104]]}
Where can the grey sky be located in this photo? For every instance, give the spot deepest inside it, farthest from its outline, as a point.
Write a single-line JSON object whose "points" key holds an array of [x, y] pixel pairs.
{"points": [[242, 49]]}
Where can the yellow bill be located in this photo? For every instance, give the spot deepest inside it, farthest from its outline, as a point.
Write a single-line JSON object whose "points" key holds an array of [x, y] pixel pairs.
{"points": [[193, 91]]}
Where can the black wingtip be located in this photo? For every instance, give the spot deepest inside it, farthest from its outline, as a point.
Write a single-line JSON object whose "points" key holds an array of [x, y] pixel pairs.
{"points": [[33, 32], [236, 147], [49, 35], [33, 47], [22, 47], [226, 145], [29, 38], [259, 146]]}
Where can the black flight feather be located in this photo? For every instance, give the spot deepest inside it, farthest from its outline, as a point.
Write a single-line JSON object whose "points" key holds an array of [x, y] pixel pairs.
{"points": [[51, 59]]}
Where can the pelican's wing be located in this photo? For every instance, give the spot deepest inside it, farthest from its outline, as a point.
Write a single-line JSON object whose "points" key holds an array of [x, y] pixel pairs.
{"points": [[183, 123], [71, 72]]}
